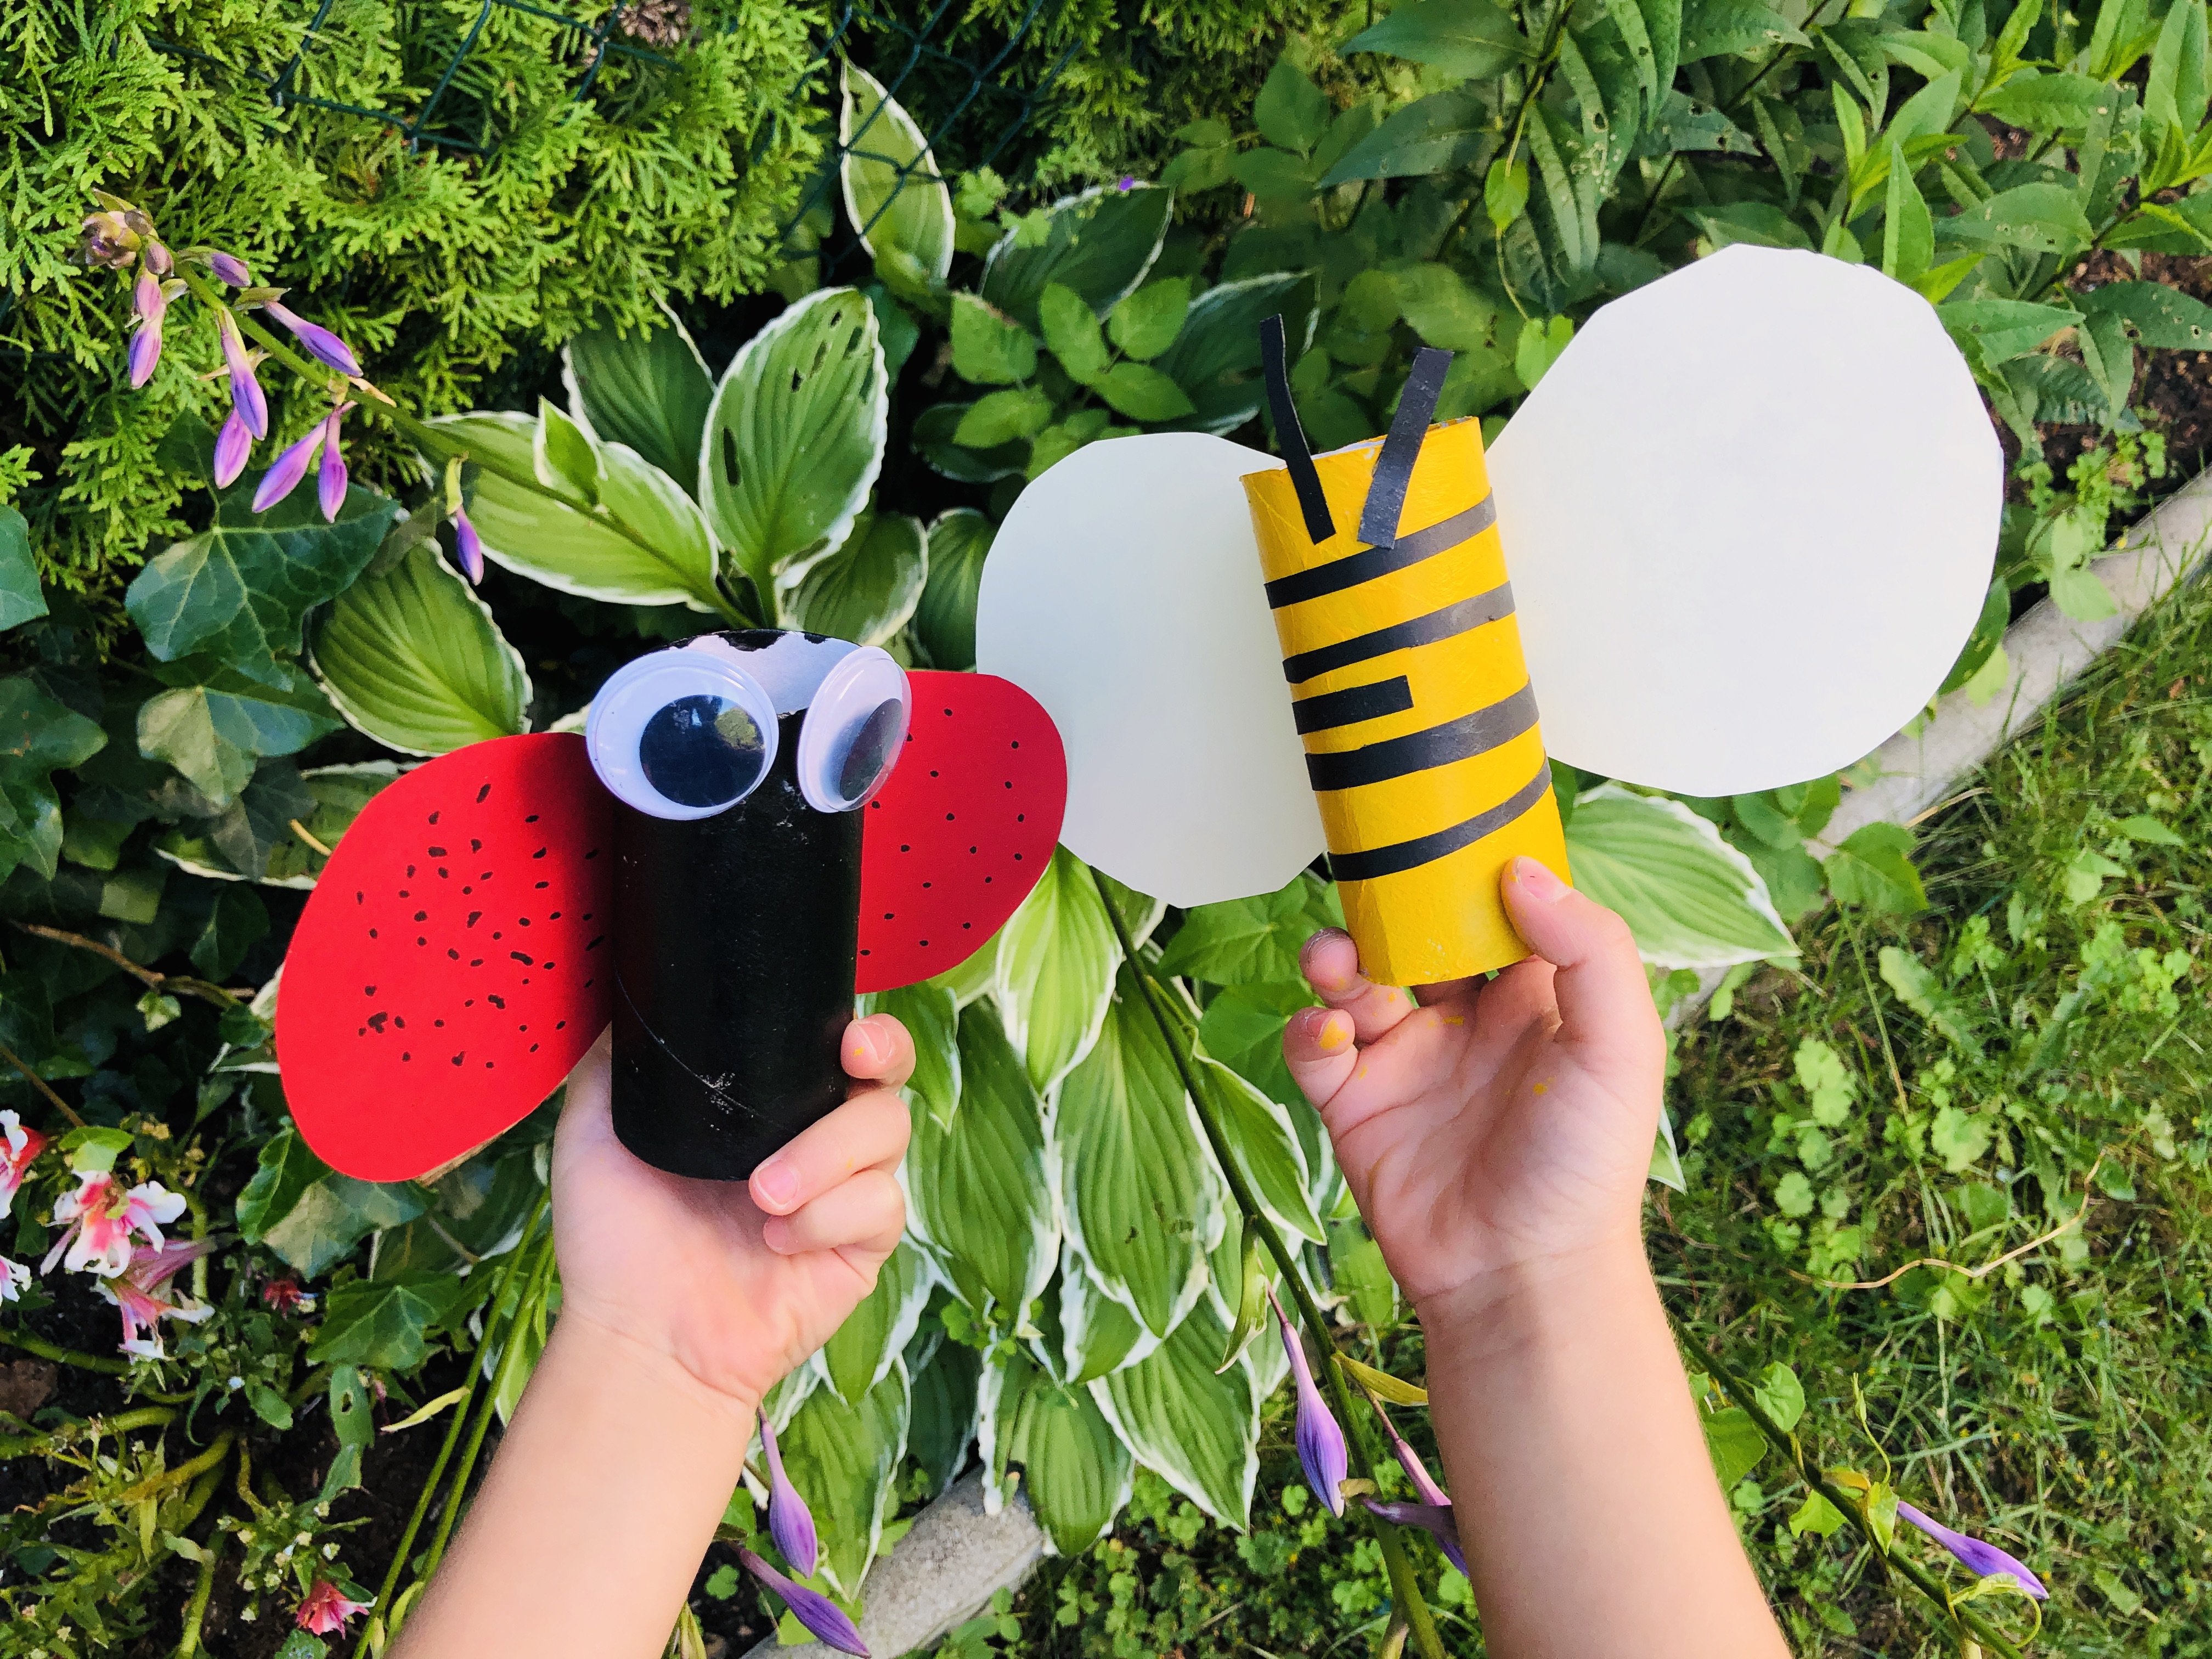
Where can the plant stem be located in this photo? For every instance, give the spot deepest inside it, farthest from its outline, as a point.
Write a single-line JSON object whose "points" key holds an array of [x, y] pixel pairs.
{"points": [[452, 1433], [540, 1265], [41, 1085], [1966, 1619], [146, 976], [1405, 1591], [45, 1350], [202, 1588]]}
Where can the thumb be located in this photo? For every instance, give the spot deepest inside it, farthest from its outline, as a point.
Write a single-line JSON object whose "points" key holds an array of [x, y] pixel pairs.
{"points": [[1606, 1011]]}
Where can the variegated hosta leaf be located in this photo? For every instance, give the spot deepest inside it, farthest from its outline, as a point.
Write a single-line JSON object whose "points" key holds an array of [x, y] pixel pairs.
{"points": [[1142, 1200], [979, 1194], [412, 656], [942, 1420], [1099, 243], [867, 589], [1097, 1333], [1264, 1143], [854, 1360], [1075, 1469], [1692, 899], [649, 389], [1198, 1431], [1055, 969], [842, 1458], [893, 194], [795, 438], [931, 1013]]}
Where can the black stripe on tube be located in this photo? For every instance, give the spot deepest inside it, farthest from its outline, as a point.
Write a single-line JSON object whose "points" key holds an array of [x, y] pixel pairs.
{"points": [[1370, 563], [735, 937], [1470, 734], [1312, 503], [1458, 618], [1393, 467], [1423, 849], [1352, 705]]}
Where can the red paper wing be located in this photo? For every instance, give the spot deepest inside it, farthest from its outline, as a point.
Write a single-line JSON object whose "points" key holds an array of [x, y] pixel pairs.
{"points": [[452, 965], [962, 829]]}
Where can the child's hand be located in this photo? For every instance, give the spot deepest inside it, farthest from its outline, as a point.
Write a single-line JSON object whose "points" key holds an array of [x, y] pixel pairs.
{"points": [[736, 1284], [1500, 1126]]}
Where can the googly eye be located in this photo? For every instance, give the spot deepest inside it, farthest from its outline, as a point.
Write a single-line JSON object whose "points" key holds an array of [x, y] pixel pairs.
{"points": [[854, 730], [682, 734]]}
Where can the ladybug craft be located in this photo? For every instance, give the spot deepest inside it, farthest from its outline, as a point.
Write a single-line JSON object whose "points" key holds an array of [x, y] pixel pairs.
{"points": [[755, 825]]}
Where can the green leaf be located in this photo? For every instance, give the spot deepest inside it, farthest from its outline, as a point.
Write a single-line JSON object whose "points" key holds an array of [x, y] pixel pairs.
{"points": [[1055, 974], [867, 589], [1071, 333], [2047, 103], [1733, 1442], [1921, 992], [1443, 307], [1144, 393], [576, 552], [37, 737], [240, 590], [413, 657], [1146, 323], [235, 920], [931, 1014], [1001, 417], [20, 597], [941, 1415], [311, 1217], [1816, 1514], [1908, 233], [988, 347], [1472, 40], [2045, 217], [1733, 28], [1142, 1201], [944, 617], [565, 455], [2003, 328], [1780, 1395], [1256, 1274], [1076, 1473], [1099, 1334], [934, 434], [478, 1206], [2143, 828], [1382, 1384], [1927, 113], [1682, 124], [1690, 899], [1434, 134], [384, 1324], [1873, 868], [213, 725], [1263, 1143], [2174, 94], [1756, 224], [842, 1459], [1504, 196], [1291, 111], [1239, 941], [2156, 315], [649, 390], [1099, 245], [1272, 174], [1928, 55], [795, 437], [1357, 1269], [1198, 1430], [894, 196], [868, 1344], [979, 1192], [1216, 357]]}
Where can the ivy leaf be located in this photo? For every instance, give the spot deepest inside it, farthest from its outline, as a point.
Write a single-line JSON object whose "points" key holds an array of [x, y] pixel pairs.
{"points": [[241, 589], [309, 1215], [1873, 868], [37, 737], [20, 598], [1780, 1395], [384, 1324], [215, 724], [236, 921], [1146, 323], [1733, 1442], [988, 347], [1472, 40]]}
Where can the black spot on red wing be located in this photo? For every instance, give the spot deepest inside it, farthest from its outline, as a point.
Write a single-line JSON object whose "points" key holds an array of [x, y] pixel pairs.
{"points": [[360, 897], [406, 1056], [593, 853], [521, 958], [532, 818], [435, 852], [411, 870], [474, 917], [475, 845], [376, 1023], [596, 942], [544, 883], [539, 853], [372, 933], [476, 962], [533, 1047], [369, 990], [453, 954], [555, 916], [433, 817], [398, 1022], [497, 1002], [482, 793], [437, 1022], [458, 1058], [422, 915]]}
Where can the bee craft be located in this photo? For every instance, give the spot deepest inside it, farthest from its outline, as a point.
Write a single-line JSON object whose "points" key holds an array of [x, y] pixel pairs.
{"points": [[1734, 540], [754, 825]]}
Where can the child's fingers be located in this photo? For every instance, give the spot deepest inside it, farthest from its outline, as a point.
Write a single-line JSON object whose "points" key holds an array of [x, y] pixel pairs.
{"points": [[1330, 962], [868, 1132], [864, 1211], [1605, 1001], [585, 1103], [877, 1049], [1318, 1047]]}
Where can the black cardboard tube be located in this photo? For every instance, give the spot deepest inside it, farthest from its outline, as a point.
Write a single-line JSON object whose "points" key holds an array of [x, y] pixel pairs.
{"points": [[735, 939]]}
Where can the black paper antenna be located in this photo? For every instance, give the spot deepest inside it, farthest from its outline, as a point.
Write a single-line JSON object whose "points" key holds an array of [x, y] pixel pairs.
{"points": [[1293, 436], [1393, 467]]}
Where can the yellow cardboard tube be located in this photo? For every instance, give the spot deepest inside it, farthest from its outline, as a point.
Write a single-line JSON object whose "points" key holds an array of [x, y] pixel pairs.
{"points": [[1420, 724]]}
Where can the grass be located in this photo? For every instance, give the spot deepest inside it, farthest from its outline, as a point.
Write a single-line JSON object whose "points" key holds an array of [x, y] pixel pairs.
{"points": [[1954, 1085]]}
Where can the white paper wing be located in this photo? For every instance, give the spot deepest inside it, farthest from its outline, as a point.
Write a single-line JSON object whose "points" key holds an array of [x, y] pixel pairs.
{"points": [[1749, 517], [1123, 592]]}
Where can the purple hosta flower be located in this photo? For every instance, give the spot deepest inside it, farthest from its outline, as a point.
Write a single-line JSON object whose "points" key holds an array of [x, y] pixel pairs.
{"points": [[137, 1294], [1322, 1449], [109, 241], [821, 1616], [1128, 182], [790, 1523], [470, 543], [283, 477], [331, 482], [99, 1219], [158, 259], [233, 444], [230, 269], [1436, 1519], [150, 303], [1982, 1560], [244, 391], [321, 343]]}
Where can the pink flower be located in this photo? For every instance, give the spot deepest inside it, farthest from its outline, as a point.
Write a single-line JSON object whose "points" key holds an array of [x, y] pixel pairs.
{"points": [[137, 1294], [18, 1146], [285, 1295], [15, 1279], [102, 1215], [325, 1609]]}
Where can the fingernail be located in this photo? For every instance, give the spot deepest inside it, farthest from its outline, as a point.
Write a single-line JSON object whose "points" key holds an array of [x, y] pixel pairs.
{"points": [[1322, 981], [1536, 881], [777, 1181], [1334, 1036], [867, 1048]]}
